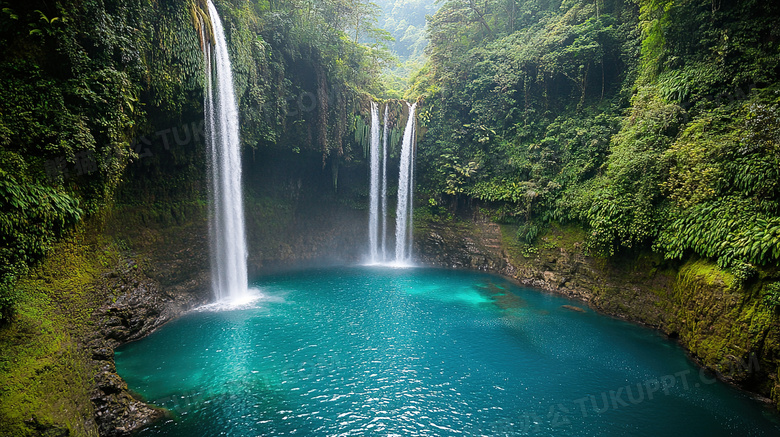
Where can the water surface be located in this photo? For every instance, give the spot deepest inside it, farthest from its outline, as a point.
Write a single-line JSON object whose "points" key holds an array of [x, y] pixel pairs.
{"points": [[424, 352]]}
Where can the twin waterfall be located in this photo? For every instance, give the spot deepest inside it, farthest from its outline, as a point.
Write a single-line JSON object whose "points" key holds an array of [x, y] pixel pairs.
{"points": [[377, 219], [226, 215], [227, 235]]}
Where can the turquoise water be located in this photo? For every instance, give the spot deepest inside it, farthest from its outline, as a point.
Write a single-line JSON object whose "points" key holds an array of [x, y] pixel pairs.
{"points": [[424, 352]]}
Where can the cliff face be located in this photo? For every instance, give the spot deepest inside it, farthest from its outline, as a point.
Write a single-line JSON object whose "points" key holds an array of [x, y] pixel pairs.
{"points": [[724, 325]]}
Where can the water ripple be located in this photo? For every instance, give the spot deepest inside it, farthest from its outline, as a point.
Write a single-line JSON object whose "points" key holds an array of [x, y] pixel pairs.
{"points": [[380, 351]]}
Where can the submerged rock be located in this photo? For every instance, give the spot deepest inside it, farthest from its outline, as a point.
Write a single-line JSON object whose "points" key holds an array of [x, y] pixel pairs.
{"points": [[573, 308]]}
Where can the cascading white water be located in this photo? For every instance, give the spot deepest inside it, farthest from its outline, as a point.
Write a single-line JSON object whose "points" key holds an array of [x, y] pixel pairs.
{"points": [[226, 215], [404, 211], [385, 131], [373, 216]]}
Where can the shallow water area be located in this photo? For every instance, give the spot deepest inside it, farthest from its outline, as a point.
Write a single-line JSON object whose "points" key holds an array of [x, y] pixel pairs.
{"points": [[424, 352]]}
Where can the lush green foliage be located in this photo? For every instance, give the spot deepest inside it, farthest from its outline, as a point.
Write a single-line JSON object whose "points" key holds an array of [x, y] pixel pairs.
{"points": [[31, 219], [727, 187], [526, 97], [686, 172], [85, 86], [650, 126], [71, 76], [303, 69], [652, 123], [405, 21]]}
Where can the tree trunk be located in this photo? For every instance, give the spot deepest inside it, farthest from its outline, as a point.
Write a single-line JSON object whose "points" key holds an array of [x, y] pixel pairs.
{"points": [[480, 17]]}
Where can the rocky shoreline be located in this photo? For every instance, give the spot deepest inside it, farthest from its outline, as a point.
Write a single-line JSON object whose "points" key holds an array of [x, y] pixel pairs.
{"points": [[142, 306]]}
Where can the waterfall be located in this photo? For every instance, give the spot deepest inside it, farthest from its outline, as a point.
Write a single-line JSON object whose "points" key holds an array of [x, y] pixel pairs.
{"points": [[373, 217], [226, 214], [385, 131], [404, 210], [377, 217]]}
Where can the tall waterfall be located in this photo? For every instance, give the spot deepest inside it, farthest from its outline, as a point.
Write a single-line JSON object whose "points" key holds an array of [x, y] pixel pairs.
{"points": [[374, 212], [385, 131], [226, 214], [377, 217], [404, 210]]}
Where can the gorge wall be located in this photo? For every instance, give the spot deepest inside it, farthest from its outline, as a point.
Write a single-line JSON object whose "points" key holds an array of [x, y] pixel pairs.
{"points": [[130, 272]]}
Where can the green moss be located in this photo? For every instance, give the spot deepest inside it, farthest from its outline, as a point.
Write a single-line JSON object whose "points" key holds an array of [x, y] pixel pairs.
{"points": [[707, 272], [44, 373], [427, 219], [555, 237], [513, 248], [724, 324], [566, 236]]}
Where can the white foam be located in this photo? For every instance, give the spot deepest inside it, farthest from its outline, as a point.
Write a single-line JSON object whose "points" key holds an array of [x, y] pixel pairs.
{"points": [[391, 264], [247, 300]]}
